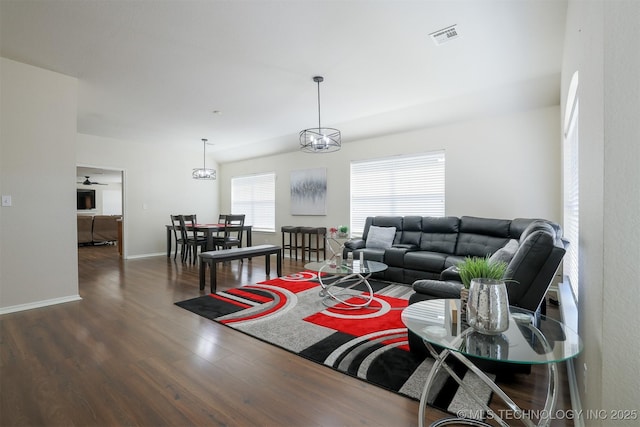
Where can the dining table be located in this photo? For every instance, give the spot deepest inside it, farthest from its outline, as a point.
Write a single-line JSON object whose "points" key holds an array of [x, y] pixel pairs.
{"points": [[209, 230]]}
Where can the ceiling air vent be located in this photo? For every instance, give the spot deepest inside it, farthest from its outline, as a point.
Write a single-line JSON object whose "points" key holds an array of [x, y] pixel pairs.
{"points": [[444, 35]]}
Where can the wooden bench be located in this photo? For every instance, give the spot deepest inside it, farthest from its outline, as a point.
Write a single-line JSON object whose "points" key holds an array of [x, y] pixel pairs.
{"points": [[213, 257]]}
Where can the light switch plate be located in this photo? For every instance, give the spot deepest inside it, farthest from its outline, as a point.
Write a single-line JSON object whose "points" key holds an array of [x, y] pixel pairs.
{"points": [[6, 200]]}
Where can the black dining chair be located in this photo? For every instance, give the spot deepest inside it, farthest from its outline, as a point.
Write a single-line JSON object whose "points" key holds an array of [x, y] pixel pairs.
{"points": [[233, 230], [179, 236], [221, 219], [193, 239]]}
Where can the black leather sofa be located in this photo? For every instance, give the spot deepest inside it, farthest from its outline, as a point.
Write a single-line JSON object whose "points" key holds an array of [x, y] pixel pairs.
{"points": [[97, 229], [425, 251], [428, 247]]}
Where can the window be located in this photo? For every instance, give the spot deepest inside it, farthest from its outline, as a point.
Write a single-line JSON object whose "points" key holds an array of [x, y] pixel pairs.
{"points": [[255, 196], [571, 205], [402, 185]]}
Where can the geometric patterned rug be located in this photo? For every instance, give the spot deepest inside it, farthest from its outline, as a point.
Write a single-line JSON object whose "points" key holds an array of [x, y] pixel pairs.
{"points": [[367, 343]]}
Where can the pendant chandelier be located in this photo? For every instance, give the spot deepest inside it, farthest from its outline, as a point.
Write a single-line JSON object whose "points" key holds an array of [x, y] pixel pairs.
{"points": [[203, 172], [320, 140]]}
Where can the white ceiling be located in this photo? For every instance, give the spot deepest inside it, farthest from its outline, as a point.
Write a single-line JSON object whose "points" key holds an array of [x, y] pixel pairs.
{"points": [[156, 70]]}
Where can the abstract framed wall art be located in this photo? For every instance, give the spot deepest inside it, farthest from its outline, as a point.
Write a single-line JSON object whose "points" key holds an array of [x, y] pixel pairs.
{"points": [[309, 192]]}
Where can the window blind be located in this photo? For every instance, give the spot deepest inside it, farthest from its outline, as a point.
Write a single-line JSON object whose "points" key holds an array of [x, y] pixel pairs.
{"points": [[571, 202], [255, 197], [401, 185]]}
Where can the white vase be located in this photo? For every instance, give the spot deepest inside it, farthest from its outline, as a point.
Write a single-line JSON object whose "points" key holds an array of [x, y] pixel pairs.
{"points": [[488, 306]]}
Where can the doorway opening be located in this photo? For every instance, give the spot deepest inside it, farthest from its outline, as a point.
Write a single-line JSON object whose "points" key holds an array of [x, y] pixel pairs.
{"points": [[100, 208]]}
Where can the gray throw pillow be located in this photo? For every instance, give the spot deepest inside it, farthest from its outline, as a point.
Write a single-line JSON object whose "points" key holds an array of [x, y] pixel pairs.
{"points": [[380, 237], [505, 253]]}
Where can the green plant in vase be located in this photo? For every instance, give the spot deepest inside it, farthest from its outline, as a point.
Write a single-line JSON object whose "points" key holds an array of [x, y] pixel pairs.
{"points": [[480, 268], [477, 268], [343, 230]]}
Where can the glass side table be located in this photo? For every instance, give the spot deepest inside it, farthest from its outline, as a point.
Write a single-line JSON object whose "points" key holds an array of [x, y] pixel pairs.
{"points": [[529, 340], [341, 290]]}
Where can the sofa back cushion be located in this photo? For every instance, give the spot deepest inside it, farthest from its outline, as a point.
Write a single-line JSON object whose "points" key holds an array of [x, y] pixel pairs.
{"points": [[481, 236], [518, 225], [411, 231], [439, 234], [538, 225]]}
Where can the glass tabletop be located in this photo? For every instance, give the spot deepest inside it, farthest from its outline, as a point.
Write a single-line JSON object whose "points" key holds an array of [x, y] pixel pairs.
{"points": [[530, 339], [367, 267]]}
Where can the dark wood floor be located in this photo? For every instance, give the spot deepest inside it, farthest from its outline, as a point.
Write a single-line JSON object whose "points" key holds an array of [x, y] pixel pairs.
{"points": [[126, 355]]}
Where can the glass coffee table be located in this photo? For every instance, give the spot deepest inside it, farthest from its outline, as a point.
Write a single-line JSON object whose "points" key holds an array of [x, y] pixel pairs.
{"points": [[341, 289], [531, 339]]}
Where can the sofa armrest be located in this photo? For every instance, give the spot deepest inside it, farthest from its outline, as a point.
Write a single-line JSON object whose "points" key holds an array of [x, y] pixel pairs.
{"points": [[437, 288], [394, 256], [451, 273], [355, 244], [406, 246]]}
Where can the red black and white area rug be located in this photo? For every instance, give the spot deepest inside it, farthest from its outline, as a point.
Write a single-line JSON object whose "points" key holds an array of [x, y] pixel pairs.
{"points": [[367, 343]]}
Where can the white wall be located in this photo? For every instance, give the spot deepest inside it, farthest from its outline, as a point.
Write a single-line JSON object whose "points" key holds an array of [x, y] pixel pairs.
{"points": [[602, 43], [501, 166], [38, 256], [111, 200], [157, 183], [621, 366]]}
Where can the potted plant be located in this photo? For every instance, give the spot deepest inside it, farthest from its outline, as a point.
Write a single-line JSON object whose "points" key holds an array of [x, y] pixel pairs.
{"points": [[480, 268], [343, 230], [477, 268]]}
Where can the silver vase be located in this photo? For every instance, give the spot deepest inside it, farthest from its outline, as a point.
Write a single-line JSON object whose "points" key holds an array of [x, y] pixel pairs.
{"points": [[488, 306]]}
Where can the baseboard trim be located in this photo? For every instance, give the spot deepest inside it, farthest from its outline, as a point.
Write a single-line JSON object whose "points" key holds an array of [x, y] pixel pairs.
{"points": [[569, 316], [145, 255], [39, 304]]}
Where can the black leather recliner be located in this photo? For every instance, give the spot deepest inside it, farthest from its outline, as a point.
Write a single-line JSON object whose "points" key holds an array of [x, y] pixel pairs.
{"points": [[530, 273]]}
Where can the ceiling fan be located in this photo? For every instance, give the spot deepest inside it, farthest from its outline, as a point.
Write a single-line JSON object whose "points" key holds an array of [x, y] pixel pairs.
{"points": [[89, 182]]}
